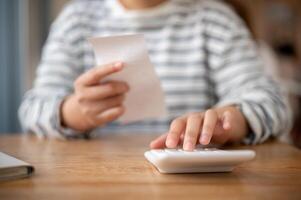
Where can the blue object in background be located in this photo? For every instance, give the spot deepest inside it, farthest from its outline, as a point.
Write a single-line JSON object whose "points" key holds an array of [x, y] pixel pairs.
{"points": [[14, 30], [10, 65]]}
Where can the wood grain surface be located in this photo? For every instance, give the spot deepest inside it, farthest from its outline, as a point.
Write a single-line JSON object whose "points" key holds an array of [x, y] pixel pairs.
{"points": [[113, 167]]}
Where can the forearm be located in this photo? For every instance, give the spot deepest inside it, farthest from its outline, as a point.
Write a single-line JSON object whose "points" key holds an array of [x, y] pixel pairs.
{"points": [[40, 115]]}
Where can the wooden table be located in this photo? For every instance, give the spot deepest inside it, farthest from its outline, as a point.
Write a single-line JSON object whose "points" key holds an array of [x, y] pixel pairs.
{"points": [[113, 167]]}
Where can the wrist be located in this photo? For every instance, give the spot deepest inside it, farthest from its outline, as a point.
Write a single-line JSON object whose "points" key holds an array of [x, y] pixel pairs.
{"points": [[242, 128], [71, 116]]}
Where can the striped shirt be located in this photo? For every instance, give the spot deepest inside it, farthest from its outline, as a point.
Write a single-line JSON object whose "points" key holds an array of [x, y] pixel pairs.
{"points": [[201, 51]]}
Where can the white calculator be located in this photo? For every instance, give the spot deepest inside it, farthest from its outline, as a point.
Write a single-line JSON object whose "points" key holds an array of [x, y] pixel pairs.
{"points": [[199, 160]]}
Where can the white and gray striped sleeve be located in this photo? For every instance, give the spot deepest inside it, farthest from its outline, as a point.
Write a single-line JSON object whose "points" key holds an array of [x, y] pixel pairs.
{"points": [[59, 67], [237, 72]]}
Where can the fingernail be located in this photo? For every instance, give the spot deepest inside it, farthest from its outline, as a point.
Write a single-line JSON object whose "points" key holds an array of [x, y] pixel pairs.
{"points": [[204, 139], [118, 65], [188, 146]]}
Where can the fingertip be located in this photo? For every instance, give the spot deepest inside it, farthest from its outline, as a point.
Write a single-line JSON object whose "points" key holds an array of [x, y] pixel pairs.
{"points": [[170, 143], [152, 145], [156, 145], [122, 96], [122, 107], [127, 87], [188, 146], [204, 142], [120, 110], [204, 139], [159, 142], [118, 65]]}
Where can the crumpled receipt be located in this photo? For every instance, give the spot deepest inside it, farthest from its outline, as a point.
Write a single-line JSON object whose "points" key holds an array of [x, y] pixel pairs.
{"points": [[145, 100]]}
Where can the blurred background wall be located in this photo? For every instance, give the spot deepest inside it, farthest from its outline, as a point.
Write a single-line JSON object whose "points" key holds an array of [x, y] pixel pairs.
{"points": [[12, 54], [24, 25]]}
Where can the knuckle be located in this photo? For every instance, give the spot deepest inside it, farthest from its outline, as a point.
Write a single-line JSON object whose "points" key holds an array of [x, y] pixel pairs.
{"points": [[111, 87], [177, 121], [77, 83], [194, 116], [81, 98], [231, 111], [172, 133], [93, 70], [92, 73]]}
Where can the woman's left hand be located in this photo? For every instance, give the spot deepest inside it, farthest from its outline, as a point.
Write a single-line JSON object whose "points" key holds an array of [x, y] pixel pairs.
{"points": [[216, 125]]}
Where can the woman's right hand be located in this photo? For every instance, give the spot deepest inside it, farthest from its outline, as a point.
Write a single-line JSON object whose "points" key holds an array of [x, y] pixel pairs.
{"points": [[94, 103]]}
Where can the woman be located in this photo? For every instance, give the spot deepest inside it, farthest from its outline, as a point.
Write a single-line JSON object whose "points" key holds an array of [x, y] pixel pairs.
{"points": [[203, 53]]}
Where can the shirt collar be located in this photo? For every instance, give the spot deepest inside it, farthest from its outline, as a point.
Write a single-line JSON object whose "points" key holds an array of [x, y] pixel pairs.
{"points": [[118, 10]]}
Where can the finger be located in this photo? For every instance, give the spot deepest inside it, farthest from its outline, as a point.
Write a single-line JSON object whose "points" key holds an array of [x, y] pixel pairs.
{"points": [[177, 128], [159, 142], [109, 115], [210, 120], [222, 130], [227, 120], [102, 91], [94, 75], [192, 131], [97, 107]]}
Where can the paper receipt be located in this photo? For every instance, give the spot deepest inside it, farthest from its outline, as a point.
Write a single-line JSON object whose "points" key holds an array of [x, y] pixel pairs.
{"points": [[145, 100]]}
